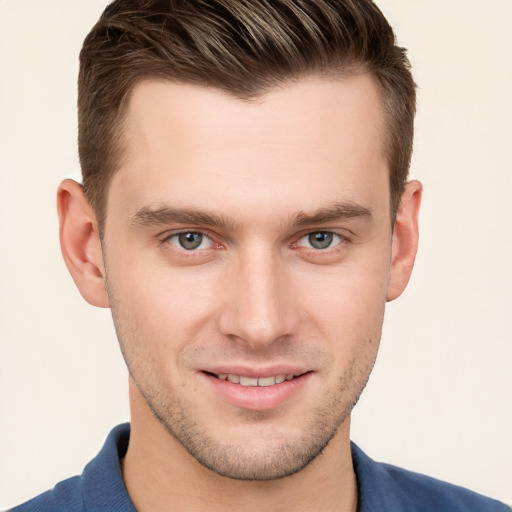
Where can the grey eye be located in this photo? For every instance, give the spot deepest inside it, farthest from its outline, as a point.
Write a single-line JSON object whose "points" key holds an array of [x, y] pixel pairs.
{"points": [[190, 240], [320, 239]]}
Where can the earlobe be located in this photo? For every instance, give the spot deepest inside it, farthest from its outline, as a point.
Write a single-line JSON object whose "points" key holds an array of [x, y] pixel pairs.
{"points": [[80, 243], [405, 240]]}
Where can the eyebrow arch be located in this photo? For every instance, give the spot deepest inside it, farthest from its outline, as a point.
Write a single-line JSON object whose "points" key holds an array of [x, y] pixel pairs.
{"points": [[338, 211], [147, 216]]}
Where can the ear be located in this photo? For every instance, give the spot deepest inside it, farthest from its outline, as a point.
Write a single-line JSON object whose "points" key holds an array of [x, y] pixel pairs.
{"points": [[80, 243], [405, 240]]}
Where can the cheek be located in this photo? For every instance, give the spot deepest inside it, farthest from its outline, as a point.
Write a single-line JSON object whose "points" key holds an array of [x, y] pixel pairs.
{"points": [[347, 308], [160, 303], [351, 294], [157, 322]]}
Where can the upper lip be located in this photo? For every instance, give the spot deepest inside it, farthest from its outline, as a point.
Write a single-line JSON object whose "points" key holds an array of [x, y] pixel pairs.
{"points": [[255, 372]]}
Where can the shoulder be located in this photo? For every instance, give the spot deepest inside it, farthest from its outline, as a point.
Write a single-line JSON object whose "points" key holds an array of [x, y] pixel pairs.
{"points": [[100, 486], [385, 487], [437, 494], [65, 496]]}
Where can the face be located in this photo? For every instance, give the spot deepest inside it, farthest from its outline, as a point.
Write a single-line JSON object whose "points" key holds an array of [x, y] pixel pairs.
{"points": [[247, 252]]}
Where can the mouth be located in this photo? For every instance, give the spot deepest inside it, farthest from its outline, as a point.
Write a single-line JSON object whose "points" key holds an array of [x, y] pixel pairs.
{"points": [[266, 391], [247, 381]]}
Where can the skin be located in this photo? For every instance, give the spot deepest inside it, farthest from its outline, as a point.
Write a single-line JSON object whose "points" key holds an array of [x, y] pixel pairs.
{"points": [[254, 180]]}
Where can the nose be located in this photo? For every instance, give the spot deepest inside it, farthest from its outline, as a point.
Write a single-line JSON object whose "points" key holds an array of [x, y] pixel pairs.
{"points": [[259, 307]]}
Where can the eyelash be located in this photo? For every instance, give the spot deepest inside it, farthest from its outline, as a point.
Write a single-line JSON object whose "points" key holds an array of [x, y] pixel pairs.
{"points": [[343, 239], [167, 239], [334, 246]]}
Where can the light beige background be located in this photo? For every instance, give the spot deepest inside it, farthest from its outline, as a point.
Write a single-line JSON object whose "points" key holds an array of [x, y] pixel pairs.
{"points": [[440, 398]]}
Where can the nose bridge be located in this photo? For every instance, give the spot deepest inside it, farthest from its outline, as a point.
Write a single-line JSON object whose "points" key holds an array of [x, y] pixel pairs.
{"points": [[259, 308]]}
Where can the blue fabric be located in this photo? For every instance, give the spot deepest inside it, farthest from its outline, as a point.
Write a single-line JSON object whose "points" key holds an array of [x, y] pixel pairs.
{"points": [[386, 488], [381, 487], [100, 488]]}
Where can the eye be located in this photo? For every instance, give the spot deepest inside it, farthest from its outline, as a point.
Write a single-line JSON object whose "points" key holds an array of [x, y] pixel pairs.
{"points": [[320, 240], [190, 240]]}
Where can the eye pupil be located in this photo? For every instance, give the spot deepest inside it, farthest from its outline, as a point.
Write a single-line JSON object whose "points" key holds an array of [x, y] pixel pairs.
{"points": [[190, 240], [320, 240]]}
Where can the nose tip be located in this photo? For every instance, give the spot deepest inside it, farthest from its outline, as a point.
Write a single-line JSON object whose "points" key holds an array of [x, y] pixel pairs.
{"points": [[259, 306]]}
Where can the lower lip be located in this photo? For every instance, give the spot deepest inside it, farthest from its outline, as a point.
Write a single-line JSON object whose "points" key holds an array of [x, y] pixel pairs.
{"points": [[257, 398]]}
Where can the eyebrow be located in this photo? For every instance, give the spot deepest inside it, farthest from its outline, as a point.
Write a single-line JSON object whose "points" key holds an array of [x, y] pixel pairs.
{"points": [[336, 212], [148, 216]]}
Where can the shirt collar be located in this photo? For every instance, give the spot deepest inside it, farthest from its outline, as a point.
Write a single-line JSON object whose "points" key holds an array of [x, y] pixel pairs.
{"points": [[103, 484], [104, 488]]}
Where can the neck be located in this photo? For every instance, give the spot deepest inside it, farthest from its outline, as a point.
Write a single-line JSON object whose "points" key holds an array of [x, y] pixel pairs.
{"points": [[161, 475]]}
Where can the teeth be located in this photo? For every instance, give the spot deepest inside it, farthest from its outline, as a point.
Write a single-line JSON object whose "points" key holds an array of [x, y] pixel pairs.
{"points": [[266, 381], [250, 381], [247, 381]]}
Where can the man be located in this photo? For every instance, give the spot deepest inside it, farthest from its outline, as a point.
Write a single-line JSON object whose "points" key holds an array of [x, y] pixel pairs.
{"points": [[245, 213]]}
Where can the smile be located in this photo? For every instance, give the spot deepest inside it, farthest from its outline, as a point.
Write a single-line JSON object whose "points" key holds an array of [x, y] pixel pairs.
{"points": [[252, 381], [257, 390]]}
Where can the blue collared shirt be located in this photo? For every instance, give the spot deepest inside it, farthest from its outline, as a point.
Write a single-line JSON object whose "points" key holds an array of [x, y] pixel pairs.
{"points": [[381, 487]]}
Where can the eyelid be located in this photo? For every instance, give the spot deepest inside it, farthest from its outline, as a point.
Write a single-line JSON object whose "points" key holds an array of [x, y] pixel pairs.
{"points": [[167, 236], [343, 238]]}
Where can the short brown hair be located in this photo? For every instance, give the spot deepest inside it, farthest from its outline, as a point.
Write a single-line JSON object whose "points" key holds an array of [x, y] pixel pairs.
{"points": [[244, 47]]}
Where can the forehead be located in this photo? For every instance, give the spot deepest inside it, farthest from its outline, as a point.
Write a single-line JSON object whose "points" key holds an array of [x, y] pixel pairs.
{"points": [[296, 143]]}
